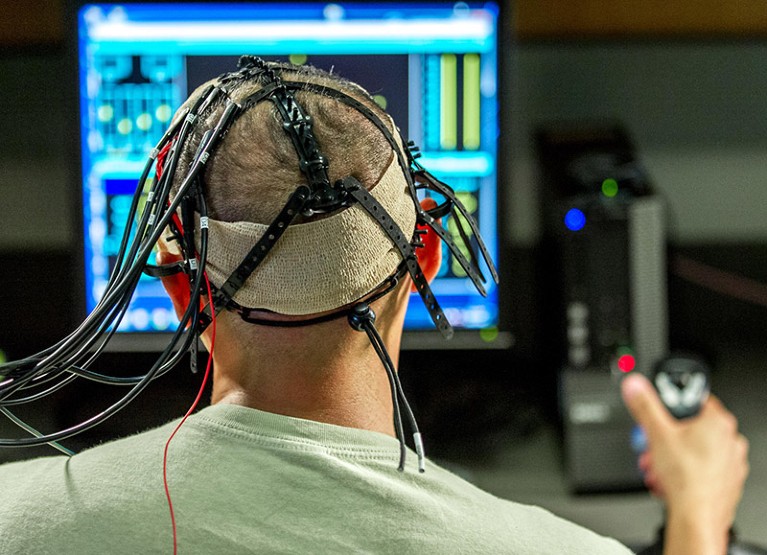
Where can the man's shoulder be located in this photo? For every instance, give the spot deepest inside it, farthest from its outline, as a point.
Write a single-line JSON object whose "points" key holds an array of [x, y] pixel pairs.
{"points": [[528, 528], [120, 459], [94, 495]]}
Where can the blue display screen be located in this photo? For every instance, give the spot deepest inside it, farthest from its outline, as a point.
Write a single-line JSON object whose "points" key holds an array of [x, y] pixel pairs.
{"points": [[433, 65]]}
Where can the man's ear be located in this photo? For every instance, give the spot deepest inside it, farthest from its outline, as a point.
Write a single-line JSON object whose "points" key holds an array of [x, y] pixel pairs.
{"points": [[176, 285], [430, 255]]}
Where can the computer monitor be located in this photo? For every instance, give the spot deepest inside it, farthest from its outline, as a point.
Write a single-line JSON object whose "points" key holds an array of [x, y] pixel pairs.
{"points": [[433, 65]]}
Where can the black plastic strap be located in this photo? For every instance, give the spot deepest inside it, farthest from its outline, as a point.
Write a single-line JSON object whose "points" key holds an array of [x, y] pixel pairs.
{"points": [[441, 210], [298, 126], [164, 270], [248, 68], [256, 315], [404, 162], [448, 192], [456, 252], [402, 242], [258, 96], [260, 250], [467, 241]]}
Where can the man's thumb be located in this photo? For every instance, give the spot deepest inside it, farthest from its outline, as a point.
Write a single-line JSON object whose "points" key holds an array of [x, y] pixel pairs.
{"points": [[644, 404]]}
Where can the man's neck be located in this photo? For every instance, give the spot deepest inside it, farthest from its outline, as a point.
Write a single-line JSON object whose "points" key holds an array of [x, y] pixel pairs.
{"points": [[339, 380]]}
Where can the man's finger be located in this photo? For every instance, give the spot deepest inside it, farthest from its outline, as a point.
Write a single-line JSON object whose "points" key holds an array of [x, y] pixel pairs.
{"points": [[644, 404]]}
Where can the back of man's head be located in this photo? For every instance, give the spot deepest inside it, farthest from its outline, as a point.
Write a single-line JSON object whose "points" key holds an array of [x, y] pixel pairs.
{"points": [[323, 262], [256, 168]]}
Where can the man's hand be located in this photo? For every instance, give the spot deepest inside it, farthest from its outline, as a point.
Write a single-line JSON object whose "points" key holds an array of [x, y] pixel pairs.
{"points": [[698, 466]]}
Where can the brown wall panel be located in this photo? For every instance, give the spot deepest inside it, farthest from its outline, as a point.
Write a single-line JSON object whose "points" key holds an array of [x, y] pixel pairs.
{"points": [[32, 22], [605, 18], [40, 22]]}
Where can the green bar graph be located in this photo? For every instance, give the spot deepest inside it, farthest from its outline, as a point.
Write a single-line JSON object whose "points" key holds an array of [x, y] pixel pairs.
{"points": [[448, 116], [471, 102]]}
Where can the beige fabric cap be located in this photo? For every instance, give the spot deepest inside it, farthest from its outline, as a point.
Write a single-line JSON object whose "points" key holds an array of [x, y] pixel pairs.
{"points": [[319, 265]]}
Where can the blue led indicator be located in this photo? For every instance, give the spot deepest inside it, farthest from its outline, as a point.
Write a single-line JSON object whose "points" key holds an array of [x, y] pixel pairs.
{"points": [[575, 219]]}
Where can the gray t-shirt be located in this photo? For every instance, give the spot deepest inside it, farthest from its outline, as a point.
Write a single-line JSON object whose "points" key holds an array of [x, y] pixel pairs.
{"points": [[246, 481]]}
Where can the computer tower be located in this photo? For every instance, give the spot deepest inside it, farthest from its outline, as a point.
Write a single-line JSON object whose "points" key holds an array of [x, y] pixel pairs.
{"points": [[605, 251]]}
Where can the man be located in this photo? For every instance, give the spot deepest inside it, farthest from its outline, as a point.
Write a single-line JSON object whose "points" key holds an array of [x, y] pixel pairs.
{"points": [[297, 453]]}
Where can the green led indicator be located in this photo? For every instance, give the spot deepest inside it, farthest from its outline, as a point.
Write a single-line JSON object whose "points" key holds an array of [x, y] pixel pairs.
{"points": [[609, 187], [381, 101], [488, 335]]}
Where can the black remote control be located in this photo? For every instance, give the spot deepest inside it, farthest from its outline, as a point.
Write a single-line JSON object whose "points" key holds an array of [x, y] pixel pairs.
{"points": [[683, 383]]}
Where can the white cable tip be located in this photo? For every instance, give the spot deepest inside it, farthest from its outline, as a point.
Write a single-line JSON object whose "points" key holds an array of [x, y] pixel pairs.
{"points": [[203, 222], [419, 451], [191, 118], [153, 153]]}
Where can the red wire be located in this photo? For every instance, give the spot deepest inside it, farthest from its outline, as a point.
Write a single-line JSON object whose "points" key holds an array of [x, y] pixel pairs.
{"points": [[190, 411]]}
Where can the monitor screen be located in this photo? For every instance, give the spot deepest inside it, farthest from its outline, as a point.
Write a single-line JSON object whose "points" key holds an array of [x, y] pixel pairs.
{"points": [[432, 65]]}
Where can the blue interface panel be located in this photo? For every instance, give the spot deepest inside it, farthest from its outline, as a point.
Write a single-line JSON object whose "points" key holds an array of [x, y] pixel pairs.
{"points": [[432, 65]]}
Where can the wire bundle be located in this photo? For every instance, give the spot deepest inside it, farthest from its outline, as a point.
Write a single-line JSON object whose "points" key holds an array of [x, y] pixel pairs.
{"points": [[34, 377]]}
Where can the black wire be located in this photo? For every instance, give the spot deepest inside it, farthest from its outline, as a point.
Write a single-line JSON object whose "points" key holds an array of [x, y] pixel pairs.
{"points": [[101, 324], [31, 379], [11, 402], [391, 373], [129, 280], [114, 408], [165, 182], [119, 280], [82, 371], [397, 391], [408, 410], [362, 318], [71, 342]]}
